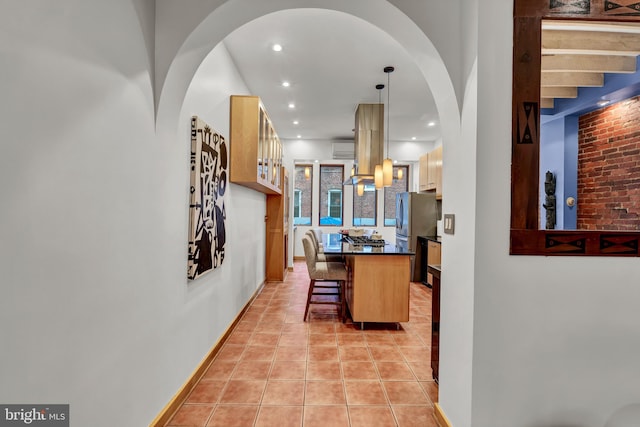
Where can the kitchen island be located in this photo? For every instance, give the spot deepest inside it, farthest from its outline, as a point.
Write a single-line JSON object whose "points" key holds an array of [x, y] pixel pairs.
{"points": [[377, 288]]}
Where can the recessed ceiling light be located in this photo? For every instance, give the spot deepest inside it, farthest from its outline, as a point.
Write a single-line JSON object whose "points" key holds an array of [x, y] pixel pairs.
{"points": [[285, 84], [299, 136], [276, 47], [413, 138], [295, 122], [292, 105], [431, 124]]}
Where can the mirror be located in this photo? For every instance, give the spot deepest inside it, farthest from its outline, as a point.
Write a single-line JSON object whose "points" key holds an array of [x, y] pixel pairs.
{"points": [[555, 47]]}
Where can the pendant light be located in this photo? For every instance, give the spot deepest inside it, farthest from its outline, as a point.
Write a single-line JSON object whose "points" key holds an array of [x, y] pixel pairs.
{"points": [[378, 176], [387, 164]]}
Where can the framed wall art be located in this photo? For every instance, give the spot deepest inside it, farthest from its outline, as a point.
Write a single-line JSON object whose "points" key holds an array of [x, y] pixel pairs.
{"points": [[209, 170]]}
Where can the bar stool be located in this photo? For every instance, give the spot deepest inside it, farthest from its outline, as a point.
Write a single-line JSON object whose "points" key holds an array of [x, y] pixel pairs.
{"points": [[314, 235], [321, 273]]}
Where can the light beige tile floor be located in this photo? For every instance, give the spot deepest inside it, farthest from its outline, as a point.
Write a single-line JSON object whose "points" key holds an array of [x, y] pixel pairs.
{"points": [[277, 370]]}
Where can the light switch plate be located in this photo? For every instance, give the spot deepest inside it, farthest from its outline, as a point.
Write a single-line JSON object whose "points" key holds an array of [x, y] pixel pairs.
{"points": [[449, 223]]}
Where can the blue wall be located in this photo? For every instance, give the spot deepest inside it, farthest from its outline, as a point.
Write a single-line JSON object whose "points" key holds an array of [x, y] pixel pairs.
{"points": [[559, 139], [552, 158]]}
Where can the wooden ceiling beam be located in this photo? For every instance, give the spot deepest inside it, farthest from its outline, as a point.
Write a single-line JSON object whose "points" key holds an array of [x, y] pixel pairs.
{"points": [[590, 42], [589, 63], [579, 53], [559, 92], [546, 103], [572, 79]]}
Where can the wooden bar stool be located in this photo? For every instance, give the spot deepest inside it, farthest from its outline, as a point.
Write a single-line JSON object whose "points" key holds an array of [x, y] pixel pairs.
{"points": [[321, 274]]}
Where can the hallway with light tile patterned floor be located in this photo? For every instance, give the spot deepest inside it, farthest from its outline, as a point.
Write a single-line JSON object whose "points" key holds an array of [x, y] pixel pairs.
{"points": [[277, 370]]}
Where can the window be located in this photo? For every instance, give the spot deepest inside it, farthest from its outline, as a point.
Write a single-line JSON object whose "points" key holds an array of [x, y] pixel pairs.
{"points": [[302, 194], [399, 185], [331, 178], [335, 203], [365, 206]]}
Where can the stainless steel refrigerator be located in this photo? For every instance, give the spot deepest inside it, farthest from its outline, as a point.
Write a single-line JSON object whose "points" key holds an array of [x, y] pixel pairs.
{"points": [[416, 215]]}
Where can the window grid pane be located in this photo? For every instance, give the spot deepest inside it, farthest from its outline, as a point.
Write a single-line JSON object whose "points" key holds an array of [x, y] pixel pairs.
{"points": [[331, 178], [398, 186], [302, 194]]}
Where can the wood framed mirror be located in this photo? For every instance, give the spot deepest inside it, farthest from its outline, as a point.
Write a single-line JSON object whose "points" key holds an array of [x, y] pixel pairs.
{"points": [[529, 235]]}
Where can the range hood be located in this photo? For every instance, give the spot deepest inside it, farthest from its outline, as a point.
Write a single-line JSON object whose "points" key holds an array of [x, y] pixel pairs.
{"points": [[368, 143]]}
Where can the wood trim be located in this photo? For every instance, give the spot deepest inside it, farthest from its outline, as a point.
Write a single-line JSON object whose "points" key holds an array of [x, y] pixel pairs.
{"points": [[575, 243], [176, 401], [526, 238], [441, 418], [297, 258]]}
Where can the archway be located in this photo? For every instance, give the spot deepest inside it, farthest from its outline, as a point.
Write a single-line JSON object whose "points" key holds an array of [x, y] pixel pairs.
{"points": [[175, 74]]}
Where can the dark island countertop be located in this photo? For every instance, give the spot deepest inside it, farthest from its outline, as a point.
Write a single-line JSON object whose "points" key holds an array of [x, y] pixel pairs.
{"points": [[333, 243], [432, 238]]}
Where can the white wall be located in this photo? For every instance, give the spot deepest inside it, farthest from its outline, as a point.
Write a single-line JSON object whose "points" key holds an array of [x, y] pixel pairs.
{"points": [[555, 338], [96, 309]]}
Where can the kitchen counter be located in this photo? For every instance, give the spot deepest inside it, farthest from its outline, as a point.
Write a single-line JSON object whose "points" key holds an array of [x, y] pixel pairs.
{"points": [[377, 288], [335, 244]]}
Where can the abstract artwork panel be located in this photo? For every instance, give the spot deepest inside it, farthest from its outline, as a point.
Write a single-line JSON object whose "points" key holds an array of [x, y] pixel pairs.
{"points": [[209, 170]]}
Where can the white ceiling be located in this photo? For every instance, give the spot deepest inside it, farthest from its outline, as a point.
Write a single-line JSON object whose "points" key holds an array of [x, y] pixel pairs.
{"points": [[333, 62]]}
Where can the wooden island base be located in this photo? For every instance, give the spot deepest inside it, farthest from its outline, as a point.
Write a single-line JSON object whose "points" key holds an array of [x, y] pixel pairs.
{"points": [[377, 289]]}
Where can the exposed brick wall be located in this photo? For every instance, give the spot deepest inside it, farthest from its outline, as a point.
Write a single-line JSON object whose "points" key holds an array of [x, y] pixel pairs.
{"points": [[609, 168], [304, 185], [331, 178]]}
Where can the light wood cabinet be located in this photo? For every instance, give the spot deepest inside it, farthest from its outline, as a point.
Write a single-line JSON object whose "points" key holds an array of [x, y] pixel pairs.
{"points": [[255, 150], [377, 289], [424, 172], [434, 250], [431, 172], [277, 236]]}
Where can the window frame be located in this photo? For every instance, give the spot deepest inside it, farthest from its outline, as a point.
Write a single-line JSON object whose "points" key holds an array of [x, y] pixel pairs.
{"points": [[330, 198], [310, 166]]}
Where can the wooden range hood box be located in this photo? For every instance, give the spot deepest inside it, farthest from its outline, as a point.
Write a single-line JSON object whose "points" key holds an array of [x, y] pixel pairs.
{"points": [[368, 141]]}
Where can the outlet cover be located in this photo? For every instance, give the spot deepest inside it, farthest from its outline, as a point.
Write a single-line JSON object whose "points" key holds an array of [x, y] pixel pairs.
{"points": [[449, 223]]}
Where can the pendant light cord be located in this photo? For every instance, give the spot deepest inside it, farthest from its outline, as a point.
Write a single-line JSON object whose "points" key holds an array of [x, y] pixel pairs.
{"points": [[388, 110], [388, 70]]}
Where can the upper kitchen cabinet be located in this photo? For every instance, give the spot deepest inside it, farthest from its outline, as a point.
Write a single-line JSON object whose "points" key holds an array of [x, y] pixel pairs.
{"points": [[255, 149], [431, 172]]}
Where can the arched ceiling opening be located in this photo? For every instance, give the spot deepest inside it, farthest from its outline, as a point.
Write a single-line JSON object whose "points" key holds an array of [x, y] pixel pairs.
{"points": [[390, 26]]}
